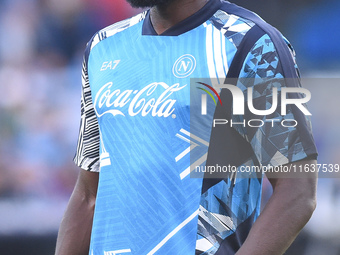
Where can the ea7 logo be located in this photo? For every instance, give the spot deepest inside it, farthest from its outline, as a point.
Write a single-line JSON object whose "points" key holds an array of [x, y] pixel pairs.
{"points": [[239, 100], [109, 65]]}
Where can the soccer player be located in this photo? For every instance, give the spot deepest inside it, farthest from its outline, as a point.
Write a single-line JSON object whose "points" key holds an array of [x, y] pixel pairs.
{"points": [[137, 138]]}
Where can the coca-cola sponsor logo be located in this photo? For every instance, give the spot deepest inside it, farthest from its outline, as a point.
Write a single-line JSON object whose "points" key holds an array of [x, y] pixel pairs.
{"points": [[140, 102]]}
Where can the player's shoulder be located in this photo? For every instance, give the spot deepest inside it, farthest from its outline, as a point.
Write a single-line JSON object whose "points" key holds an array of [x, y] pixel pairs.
{"points": [[233, 17], [250, 25], [239, 15], [114, 29]]}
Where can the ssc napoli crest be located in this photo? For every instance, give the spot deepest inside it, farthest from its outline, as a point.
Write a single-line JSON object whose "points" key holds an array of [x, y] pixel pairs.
{"points": [[184, 66]]}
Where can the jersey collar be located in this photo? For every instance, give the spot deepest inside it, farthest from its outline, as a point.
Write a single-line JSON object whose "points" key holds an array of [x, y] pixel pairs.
{"points": [[186, 25]]}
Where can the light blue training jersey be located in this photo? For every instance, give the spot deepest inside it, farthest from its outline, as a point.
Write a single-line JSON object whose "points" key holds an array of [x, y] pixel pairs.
{"points": [[136, 131]]}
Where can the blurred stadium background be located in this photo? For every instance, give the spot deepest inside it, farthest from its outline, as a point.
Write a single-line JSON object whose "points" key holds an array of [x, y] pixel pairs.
{"points": [[41, 47]]}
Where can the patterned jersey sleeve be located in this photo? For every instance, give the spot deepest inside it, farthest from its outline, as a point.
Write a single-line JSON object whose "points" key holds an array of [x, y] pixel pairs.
{"points": [[87, 154], [278, 141]]}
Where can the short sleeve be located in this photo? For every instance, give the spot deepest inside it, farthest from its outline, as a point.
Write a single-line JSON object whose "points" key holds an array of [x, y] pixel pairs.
{"points": [[87, 154], [274, 138]]}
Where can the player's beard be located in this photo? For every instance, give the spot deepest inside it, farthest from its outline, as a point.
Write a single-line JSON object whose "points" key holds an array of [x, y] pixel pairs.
{"points": [[148, 3]]}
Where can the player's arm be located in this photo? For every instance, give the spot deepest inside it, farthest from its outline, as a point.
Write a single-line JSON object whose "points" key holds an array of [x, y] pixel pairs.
{"points": [[287, 211], [75, 229]]}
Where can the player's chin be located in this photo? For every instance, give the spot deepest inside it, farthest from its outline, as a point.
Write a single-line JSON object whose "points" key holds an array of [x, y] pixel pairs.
{"points": [[148, 3]]}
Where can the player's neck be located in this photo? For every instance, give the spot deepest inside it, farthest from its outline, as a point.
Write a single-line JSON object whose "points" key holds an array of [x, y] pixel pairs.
{"points": [[164, 17]]}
